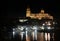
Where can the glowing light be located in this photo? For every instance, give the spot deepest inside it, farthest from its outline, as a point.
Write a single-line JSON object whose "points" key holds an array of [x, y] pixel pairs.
{"points": [[39, 15], [42, 11], [49, 27], [22, 28], [42, 27], [26, 28], [48, 23], [23, 20], [46, 36], [13, 33], [26, 35], [33, 35], [21, 35], [34, 27], [43, 24]]}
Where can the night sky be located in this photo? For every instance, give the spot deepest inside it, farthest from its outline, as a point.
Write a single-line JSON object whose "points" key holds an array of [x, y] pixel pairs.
{"points": [[17, 8]]}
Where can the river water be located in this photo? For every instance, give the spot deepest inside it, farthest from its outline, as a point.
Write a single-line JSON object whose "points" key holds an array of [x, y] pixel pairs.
{"points": [[34, 36]]}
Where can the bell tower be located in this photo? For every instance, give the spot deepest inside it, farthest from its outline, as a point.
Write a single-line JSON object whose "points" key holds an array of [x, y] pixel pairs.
{"points": [[28, 12], [42, 11]]}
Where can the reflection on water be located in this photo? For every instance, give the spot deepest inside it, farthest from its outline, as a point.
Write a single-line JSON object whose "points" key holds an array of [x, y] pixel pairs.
{"points": [[47, 36], [33, 35], [40, 36]]}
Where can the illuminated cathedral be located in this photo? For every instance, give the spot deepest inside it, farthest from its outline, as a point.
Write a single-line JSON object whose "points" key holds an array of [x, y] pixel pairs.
{"points": [[39, 16], [35, 27]]}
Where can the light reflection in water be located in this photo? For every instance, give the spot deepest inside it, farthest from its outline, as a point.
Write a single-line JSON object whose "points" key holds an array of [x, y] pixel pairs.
{"points": [[26, 36], [45, 36], [48, 36], [38, 36], [34, 35], [22, 33]]}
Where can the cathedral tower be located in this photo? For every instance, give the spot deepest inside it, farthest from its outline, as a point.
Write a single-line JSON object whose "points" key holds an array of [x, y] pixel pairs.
{"points": [[28, 12]]}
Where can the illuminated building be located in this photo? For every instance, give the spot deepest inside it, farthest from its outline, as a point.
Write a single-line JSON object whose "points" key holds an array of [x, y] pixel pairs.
{"points": [[40, 15], [35, 27]]}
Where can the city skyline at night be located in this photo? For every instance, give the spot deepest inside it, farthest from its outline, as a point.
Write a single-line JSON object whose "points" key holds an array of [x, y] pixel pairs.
{"points": [[30, 20]]}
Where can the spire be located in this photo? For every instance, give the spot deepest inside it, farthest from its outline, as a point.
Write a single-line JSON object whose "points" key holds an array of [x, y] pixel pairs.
{"points": [[28, 8], [28, 11], [42, 11]]}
